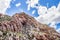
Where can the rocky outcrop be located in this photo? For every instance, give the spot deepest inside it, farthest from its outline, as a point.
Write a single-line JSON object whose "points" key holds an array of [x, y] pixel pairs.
{"points": [[24, 27]]}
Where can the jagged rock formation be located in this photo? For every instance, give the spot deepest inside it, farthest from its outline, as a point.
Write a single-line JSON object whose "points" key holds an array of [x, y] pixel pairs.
{"points": [[24, 27]]}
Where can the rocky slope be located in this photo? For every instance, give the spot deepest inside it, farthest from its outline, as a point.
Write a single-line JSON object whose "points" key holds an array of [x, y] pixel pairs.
{"points": [[24, 27], [4, 17]]}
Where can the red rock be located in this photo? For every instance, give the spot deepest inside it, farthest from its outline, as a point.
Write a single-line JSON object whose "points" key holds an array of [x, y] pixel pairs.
{"points": [[26, 26]]}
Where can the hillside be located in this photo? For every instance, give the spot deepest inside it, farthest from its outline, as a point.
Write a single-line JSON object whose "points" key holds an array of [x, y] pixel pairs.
{"points": [[24, 27], [4, 17]]}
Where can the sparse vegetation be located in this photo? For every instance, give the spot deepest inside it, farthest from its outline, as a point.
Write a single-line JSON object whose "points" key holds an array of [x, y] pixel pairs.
{"points": [[5, 17], [25, 27], [9, 35]]}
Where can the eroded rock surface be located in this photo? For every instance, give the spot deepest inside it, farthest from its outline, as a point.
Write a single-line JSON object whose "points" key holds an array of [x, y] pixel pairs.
{"points": [[24, 27]]}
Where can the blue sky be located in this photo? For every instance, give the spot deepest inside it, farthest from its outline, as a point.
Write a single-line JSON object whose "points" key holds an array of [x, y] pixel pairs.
{"points": [[44, 11], [23, 7]]}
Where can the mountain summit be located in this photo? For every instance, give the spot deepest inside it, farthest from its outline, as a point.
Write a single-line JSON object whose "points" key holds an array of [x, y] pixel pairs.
{"points": [[24, 27]]}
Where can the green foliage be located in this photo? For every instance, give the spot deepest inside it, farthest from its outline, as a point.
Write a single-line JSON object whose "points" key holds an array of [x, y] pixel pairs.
{"points": [[6, 17]]}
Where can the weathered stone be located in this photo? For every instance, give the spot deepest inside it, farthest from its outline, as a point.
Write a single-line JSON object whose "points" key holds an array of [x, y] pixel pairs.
{"points": [[24, 27]]}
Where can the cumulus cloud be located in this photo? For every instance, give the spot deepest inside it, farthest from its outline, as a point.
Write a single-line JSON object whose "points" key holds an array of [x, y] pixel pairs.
{"points": [[53, 24], [42, 10], [31, 3], [4, 4], [51, 15], [58, 30], [18, 4]]}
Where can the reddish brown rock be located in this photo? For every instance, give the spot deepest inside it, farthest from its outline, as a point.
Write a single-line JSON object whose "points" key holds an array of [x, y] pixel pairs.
{"points": [[24, 27]]}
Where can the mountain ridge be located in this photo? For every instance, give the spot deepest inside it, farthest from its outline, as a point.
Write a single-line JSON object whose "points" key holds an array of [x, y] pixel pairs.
{"points": [[24, 27]]}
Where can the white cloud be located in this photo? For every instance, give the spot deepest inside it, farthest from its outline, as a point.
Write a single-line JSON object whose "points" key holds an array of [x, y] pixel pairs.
{"points": [[18, 4], [51, 15], [4, 4], [42, 10], [58, 30], [53, 25], [31, 3], [33, 11]]}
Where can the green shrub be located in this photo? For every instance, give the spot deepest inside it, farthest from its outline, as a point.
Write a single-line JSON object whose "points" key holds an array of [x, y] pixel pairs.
{"points": [[6, 17]]}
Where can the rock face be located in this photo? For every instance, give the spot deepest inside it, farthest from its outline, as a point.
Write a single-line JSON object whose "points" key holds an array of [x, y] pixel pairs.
{"points": [[24, 27]]}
